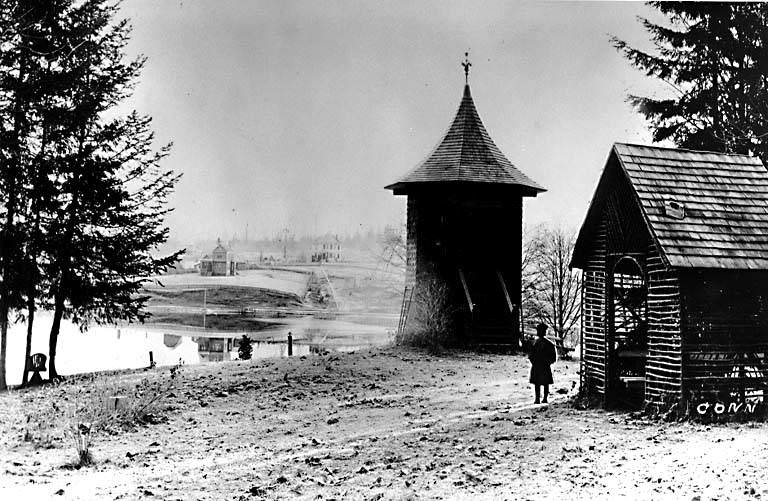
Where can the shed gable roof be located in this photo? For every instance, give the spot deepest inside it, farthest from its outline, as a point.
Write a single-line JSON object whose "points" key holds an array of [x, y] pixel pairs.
{"points": [[724, 200], [466, 154]]}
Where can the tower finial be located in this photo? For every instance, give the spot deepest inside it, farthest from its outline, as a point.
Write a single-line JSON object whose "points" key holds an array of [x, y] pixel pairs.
{"points": [[466, 64]]}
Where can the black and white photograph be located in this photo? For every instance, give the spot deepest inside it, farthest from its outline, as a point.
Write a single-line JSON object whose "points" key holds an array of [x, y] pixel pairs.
{"points": [[383, 250]]}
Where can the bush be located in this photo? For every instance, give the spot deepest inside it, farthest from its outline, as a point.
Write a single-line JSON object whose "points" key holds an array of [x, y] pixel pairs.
{"points": [[431, 317], [81, 435]]}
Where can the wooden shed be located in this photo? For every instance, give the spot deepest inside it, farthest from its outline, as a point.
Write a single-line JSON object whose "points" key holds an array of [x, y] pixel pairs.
{"points": [[674, 253], [465, 210]]}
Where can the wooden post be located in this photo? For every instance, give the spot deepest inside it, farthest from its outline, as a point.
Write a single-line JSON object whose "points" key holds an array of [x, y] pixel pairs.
{"points": [[116, 402], [151, 360], [290, 345]]}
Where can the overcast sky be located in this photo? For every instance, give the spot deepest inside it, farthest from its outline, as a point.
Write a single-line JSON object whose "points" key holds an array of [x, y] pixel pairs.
{"points": [[297, 114]]}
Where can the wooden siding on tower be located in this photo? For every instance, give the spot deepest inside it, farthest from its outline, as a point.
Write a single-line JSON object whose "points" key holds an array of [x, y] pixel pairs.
{"points": [[453, 231], [411, 242]]}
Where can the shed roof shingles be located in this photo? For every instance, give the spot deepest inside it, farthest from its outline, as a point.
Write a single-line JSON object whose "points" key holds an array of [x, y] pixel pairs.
{"points": [[467, 154], [725, 198]]}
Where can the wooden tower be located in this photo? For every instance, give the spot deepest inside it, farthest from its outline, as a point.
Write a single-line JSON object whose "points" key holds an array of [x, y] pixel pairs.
{"points": [[465, 210]]}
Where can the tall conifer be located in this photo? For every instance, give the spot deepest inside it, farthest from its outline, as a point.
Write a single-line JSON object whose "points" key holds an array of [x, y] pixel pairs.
{"points": [[113, 190], [26, 30], [714, 58], [82, 192]]}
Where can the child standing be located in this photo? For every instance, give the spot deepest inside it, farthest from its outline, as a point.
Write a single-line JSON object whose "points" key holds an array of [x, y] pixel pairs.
{"points": [[542, 356]]}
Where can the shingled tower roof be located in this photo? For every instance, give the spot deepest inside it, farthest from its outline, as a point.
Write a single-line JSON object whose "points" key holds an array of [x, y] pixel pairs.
{"points": [[466, 154]]}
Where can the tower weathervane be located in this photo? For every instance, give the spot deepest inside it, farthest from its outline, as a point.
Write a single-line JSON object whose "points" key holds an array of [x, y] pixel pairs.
{"points": [[466, 64]]}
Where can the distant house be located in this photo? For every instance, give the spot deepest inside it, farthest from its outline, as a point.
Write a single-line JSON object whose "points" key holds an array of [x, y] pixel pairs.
{"points": [[327, 249], [219, 263]]}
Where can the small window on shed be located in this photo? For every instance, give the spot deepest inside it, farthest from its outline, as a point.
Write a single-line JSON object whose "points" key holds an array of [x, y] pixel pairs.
{"points": [[674, 209]]}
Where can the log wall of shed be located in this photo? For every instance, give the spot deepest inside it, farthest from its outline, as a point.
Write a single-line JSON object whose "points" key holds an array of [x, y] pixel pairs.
{"points": [[663, 370], [594, 316], [725, 343]]}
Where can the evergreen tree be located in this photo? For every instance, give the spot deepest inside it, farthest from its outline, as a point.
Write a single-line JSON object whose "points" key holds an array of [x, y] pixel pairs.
{"points": [[112, 191], [82, 196], [53, 46], [713, 57], [28, 80], [245, 348]]}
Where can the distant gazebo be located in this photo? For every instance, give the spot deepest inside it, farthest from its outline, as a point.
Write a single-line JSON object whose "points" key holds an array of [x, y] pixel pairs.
{"points": [[220, 262], [465, 210]]}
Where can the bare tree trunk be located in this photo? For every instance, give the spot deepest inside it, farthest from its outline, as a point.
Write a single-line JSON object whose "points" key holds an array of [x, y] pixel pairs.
{"points": [[3, 343], [6, 248], [560, 345], [53, 339], [5, 291], [28, 347], [65, 261], [32, 256]]}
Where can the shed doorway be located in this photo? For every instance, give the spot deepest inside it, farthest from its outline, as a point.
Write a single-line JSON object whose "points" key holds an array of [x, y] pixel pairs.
{"points": [[627, 333]]}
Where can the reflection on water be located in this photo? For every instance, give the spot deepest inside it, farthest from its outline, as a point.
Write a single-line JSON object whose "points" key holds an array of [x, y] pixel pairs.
{"points": [[260, 349], [169, 340], [214, 349], [128, 347], [308, 342], [100, 348], [331, 332]]}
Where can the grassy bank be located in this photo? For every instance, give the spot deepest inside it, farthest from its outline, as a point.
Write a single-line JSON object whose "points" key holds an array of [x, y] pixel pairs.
{"points": [[223, 296], [214, 322]]}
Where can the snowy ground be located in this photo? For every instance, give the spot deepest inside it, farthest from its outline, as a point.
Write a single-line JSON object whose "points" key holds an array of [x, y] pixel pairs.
{"points": [[382, 424]]}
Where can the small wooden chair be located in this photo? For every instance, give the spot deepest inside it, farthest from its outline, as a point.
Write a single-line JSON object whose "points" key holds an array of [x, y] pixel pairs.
{"points": [[36, 365]]}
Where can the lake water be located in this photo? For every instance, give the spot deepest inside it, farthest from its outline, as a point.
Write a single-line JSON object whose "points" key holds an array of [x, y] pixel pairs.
{"points": [[127, 347]]}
